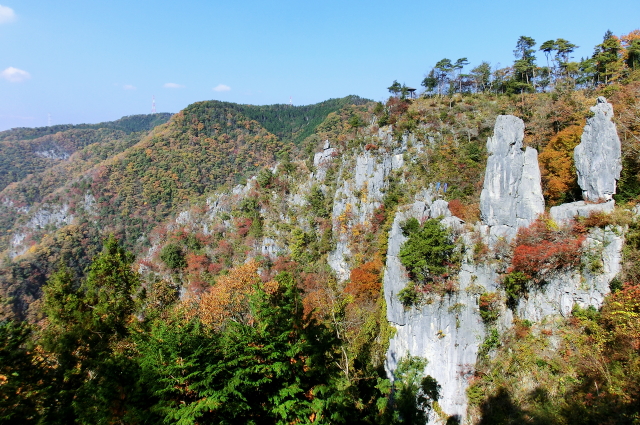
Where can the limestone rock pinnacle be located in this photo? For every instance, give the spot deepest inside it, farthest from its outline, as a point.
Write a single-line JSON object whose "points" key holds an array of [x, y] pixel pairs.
{"points": [[512, 194], [598, 156]]}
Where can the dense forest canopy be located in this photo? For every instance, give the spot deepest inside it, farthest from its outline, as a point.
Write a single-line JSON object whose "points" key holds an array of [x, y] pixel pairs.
{"points": [[128, 124]]}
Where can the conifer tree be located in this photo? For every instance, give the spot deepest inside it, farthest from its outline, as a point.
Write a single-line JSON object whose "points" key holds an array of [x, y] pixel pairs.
{"points": [[87, 326]]}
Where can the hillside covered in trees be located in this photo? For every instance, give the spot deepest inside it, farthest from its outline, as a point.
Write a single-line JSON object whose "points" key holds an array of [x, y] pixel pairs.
{"points": [[234, 263]]}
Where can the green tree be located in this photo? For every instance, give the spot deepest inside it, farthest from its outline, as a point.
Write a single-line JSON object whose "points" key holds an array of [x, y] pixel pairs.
{"points": [[430, 82], [633, 54], [318, 202], [481, 76], [172, 255], [395, 88], [443, 68], [278, 369], [547, 47], [356, 122], [23, 375], [88, 323], [265, 178], [428, 252], [608, 62], [412, 393], [457, 67], [525, 65]]}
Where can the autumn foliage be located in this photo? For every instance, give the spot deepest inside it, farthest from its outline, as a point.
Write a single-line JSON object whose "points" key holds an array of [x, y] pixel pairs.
{"points": [[557, 167], [228, 299], [365, 280], [621, 313], [544, 247]]}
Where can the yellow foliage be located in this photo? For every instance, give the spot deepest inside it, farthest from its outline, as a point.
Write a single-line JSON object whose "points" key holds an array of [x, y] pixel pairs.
{"points": [[228, 298], [557, 167]]}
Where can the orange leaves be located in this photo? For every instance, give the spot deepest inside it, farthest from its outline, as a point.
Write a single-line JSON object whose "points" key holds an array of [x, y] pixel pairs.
{"points": [[557, 167], [196, 264], [365, 281], [467, 212], [228, 298]]}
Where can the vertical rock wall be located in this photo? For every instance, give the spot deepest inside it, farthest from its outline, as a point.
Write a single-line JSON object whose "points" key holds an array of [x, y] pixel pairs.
{"points": [[448, 331], [598, 156], [512, 195]]}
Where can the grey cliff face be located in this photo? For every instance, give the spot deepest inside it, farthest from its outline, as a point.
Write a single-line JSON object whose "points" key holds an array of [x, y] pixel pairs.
{"points": [[448, 330], [512, 195], [598, 157]]}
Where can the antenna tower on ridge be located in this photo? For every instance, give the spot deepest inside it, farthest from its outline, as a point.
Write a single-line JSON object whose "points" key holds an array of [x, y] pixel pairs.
{"points": [[153, 104], [290, 101]]}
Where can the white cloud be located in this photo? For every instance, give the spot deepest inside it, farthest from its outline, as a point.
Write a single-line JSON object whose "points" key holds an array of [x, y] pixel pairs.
{"points": [[15, 75], [129, 87], [6, 14], [173, 86], [221, 87]]}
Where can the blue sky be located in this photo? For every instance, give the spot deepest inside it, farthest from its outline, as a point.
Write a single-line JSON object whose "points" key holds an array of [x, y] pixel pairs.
{"points": [[91, 61]]}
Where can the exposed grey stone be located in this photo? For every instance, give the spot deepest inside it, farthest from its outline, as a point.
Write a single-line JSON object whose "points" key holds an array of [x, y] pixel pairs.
{"points": [[598, 156], [90, 204], [512, 195], [323, 157], [440, 208], [454, 223], [358, 198], [447, 331], [56, 215], [565, 212]]}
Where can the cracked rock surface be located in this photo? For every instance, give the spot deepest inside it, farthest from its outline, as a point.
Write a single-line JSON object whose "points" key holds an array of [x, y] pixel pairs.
{"points": [[598, 156]]}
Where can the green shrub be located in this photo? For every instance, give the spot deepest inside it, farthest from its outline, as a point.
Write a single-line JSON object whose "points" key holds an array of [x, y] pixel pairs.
{"points": [[515, 284], [318, 203], [429, 254], [615, 285], [264, 178], [589, 313], [489, 307], [173, 257], [408, 296], [410, 226], [491, 342]]}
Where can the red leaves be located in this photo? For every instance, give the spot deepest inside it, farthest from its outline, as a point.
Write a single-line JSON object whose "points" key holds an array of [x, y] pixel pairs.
{"points": [[457, 208], [243, 225], [543, 247]]}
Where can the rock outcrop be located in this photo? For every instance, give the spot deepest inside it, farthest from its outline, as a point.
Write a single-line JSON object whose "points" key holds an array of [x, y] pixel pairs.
{"points": [[447, 331], [598, 156], [566, 212], [512, 195]]}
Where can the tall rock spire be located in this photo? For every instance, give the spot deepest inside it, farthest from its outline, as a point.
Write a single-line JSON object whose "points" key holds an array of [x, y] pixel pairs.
{"points": [[598, 156], [512, 195]]}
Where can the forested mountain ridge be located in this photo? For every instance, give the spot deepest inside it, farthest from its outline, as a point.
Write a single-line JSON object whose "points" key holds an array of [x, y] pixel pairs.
{"points": [[347, 277], [296, 123], [139, 183], [25, 151], [128, 124]]}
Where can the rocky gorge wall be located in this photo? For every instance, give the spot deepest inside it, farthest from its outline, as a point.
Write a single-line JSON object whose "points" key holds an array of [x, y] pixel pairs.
{"points": [[448, 330]]}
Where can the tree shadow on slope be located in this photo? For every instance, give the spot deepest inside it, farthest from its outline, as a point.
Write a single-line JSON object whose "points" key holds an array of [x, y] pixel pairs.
{"points": [[501, 409]]}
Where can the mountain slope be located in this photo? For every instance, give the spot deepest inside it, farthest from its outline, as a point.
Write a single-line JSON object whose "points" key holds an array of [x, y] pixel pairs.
{"points": [[207, 146], [25, 151]]}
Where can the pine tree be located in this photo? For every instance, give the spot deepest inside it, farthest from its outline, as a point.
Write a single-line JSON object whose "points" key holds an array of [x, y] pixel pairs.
{"points": [[86, 333], [23, 374]]}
